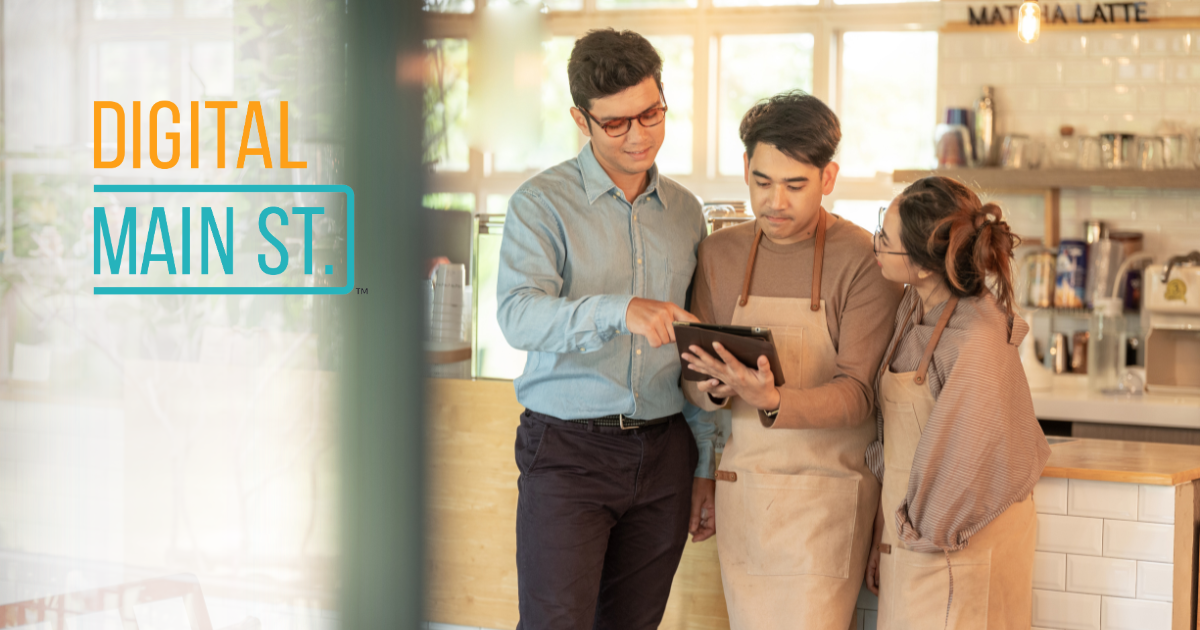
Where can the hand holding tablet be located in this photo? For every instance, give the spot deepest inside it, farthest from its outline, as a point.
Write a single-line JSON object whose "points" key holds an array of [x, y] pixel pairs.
{"points": [[744, 343]]}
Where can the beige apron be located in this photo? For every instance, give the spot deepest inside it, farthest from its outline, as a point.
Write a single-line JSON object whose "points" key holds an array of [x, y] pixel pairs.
{"points": [[991, 591], [795, 508]]}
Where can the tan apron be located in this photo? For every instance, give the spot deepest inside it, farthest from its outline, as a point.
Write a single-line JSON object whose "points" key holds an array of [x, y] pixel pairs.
{"points": [[795, 508], [991, 591]]}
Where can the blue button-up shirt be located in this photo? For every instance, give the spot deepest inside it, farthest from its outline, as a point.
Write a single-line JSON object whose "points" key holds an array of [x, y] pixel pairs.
{"points": [[575, 253]]}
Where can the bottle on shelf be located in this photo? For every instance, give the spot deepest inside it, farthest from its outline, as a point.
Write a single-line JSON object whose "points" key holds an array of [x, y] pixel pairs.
{"points": [[1106, 345], [985, 128]]}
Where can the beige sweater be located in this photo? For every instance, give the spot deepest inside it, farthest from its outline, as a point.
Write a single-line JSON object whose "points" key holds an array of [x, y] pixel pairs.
{"points": [[860, 308]]}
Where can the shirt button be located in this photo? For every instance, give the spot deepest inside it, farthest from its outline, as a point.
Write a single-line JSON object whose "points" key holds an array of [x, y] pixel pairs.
{"points": [[638, 351], [639, 261], [636, 395], [635, 217]]}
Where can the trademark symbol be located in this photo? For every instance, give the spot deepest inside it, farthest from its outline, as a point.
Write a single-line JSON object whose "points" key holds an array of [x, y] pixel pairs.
{"points": [[360, 290]]}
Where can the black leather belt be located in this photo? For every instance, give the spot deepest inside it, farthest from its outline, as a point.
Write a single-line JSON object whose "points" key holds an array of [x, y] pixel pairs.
{"points": [[620, 420]]}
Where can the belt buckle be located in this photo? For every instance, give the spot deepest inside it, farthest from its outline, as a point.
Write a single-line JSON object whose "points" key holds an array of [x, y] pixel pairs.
{"points": [[621, 422]]}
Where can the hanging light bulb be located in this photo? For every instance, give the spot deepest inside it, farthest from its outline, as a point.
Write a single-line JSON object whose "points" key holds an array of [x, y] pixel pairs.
{"points": [[1029, 22]]}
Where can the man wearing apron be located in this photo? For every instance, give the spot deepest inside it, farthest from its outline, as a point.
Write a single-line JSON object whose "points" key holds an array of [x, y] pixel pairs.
{"points": [[795, 502]]}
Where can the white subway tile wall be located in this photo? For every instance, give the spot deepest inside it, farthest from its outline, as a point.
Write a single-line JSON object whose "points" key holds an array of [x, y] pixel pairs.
{"points": [[1098, 81], [1156, 504], [1049, 571], [1152, 542], [1101, 576], [1155, 580], [1066, 611], [867, 608], [1103, 499], [1104, 555], [1050, 495], [1133, 614], [1070, 534]]}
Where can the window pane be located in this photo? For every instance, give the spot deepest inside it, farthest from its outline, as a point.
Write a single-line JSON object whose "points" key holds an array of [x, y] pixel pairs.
{"points": [[211, 69], [763, 3], [127, 72], [551, 5], [496, 358], [889, 102], [446, 105], [135, 71], [450, 6], [131, 9], [675, 157], [645, 4], [879, 1], [863, 213], [449, 201], [209, 8], [754, 67], [560, 138]]}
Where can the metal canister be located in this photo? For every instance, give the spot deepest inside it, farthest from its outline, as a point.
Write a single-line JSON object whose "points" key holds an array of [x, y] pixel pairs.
{"points": [[1070, 288]]}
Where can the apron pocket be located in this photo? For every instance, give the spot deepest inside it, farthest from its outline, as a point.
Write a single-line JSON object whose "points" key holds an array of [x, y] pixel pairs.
{"points": [[922, 586], [798, 524]]}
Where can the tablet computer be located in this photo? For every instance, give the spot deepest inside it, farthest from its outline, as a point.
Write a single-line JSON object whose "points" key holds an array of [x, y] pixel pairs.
{"points": [[746, 343]]}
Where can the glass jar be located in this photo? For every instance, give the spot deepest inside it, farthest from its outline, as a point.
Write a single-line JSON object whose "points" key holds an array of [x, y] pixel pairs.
{"points": [[1064, 152]]}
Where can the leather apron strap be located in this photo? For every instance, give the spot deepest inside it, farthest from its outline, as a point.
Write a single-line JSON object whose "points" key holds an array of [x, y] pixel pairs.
{"points": [[818, 264], [923, 367]]}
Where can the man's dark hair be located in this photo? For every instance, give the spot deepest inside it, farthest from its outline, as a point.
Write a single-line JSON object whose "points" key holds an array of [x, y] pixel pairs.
{"points": [[606, 62], [796, 123]]}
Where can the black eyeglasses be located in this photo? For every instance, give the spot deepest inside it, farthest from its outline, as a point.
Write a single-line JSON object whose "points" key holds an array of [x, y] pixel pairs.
{"points": [[879, 232], [618, 127]]}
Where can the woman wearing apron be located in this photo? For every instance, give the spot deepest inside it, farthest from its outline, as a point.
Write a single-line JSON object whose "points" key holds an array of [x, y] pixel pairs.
{"points": [[959, 449]]}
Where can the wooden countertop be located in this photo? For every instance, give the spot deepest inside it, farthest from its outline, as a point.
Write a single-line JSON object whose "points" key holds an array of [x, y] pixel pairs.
{"points": [[1126, 462]]}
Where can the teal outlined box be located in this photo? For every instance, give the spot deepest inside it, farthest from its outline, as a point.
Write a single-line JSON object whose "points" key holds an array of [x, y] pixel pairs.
{"points": [[251, 188]]}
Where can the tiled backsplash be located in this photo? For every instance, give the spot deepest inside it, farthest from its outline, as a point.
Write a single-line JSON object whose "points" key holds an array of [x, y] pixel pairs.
{"points": [[1104, 554], [1097, 81]]}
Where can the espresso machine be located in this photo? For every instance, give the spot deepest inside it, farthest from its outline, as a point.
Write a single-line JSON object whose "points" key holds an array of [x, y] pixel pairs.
{"points": [[1172, 308]]}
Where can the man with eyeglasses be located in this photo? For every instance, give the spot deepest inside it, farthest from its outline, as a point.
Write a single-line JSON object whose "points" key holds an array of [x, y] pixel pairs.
{"points": [[597, 257]]}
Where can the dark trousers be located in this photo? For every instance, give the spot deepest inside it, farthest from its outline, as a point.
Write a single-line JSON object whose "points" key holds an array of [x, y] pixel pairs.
{"points": [[602, 519]]}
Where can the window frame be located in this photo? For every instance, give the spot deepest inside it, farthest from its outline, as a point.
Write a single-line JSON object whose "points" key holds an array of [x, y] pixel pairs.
{"points": [[826, 22]]}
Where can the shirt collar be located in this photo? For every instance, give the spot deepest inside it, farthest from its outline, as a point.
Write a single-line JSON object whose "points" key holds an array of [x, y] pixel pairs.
{"points": [[596, 181]]}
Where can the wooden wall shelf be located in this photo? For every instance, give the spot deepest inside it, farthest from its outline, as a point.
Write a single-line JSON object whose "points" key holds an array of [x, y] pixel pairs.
{"points": [[1050, 182]]}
